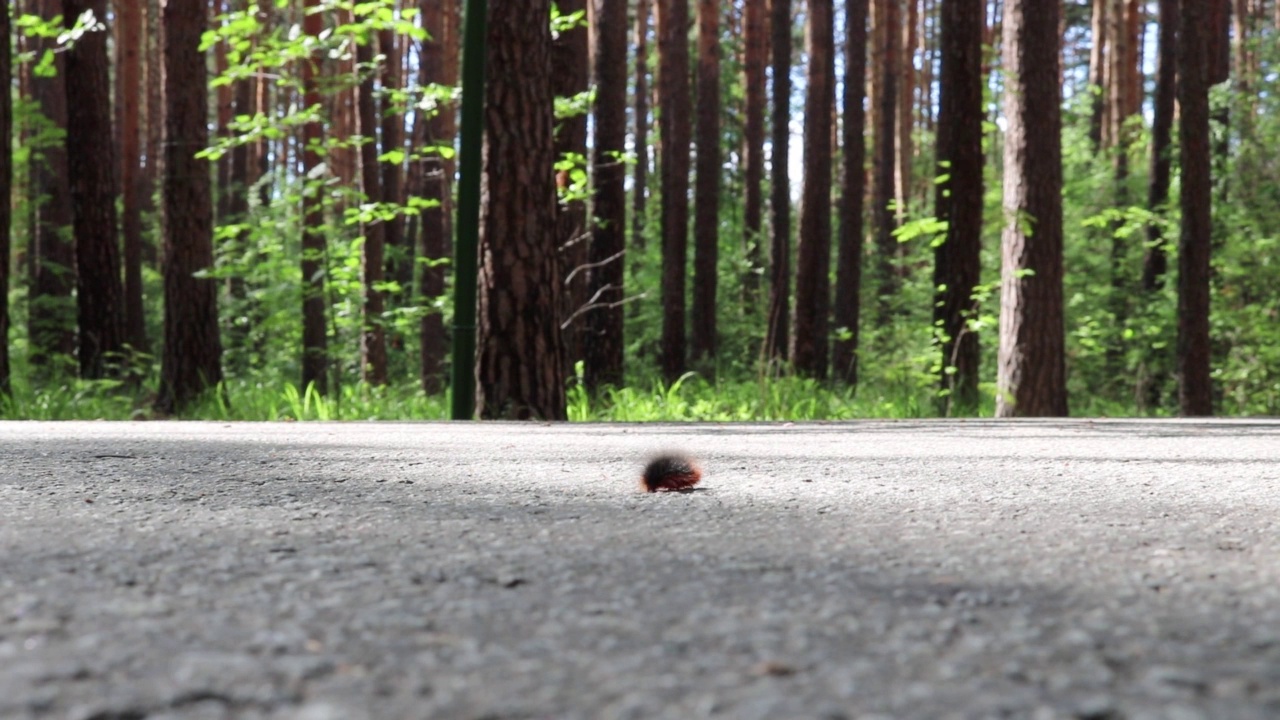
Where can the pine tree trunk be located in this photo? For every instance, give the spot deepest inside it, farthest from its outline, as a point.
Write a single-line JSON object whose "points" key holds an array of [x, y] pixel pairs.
{"points": [[129, 49], [520, 363], [1195, 390], [706, 231], [753, 79], [6, 188], [439, 66], [1031, 370], [315, 342], [570, 75], [92, 171], [673, 129], [1098, 71], [373, 340], [809, 345], [640, 181], [51, 307], [887, 28], [604, 344], [957, 261], [399, 267], [778, 333], [848, 308], [191, 363]]}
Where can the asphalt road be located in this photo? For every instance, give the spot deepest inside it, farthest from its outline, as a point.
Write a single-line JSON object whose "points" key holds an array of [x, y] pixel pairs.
{"points": [[1099, 570]]}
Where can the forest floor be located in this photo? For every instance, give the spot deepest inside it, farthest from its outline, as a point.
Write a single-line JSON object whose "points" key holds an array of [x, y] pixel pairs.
{"points": [[930, 569]]}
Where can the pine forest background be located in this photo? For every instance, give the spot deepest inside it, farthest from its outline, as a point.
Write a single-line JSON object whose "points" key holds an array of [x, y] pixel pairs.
{"points": [[690, 209]]}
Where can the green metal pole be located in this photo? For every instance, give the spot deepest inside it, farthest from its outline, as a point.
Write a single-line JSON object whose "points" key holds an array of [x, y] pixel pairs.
{"points": [[468, 222]]}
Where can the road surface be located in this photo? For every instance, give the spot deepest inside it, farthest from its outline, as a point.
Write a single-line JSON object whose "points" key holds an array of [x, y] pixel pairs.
{"points": [[1100, 570]]}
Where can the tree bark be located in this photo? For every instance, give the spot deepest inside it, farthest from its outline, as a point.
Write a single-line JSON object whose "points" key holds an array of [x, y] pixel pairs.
{"points": [[570, 75], [604, 345], [673, 129], [92, 171], [399, 253], [439, 66], [191, 363], [778, 333], [706, 231], [887, 28], [957, 261], [129, 49], [809, 344], [1098, 71], [520, 363], [373, 339], [848, 309], [640, 180], [51, 307], [1195, 389], [1031, 370], [1156, 261], [753, 81], [315, 342], [6, 187]]}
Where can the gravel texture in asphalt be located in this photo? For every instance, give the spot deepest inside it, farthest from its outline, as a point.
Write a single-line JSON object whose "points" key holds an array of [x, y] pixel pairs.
{"points": [[1099, 570]]}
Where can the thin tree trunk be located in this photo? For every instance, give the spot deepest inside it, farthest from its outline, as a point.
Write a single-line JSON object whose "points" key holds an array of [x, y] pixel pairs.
{"points": [[957, 261], [191, 363], [129, 49], [571, 76], [753, 80], [520, 359], [315, 342], [640, 180], [706, 221], [51, 307], [92, 170], [673, 128], [906, 109], [1195, 396], [1031, 369], [884, 118], [399, 251], [848, 308], [1098, 71], [373, 339], [809, 345], [439, 66], [6, 189], [778, 333], [604, 344], [1156, 262]]}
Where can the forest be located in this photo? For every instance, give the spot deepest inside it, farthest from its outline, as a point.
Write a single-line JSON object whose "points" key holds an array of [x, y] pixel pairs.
{"points": [[707, 210]]}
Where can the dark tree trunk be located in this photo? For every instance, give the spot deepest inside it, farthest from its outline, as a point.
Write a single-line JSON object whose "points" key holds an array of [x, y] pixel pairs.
{"points": [[520, 363], [640, 181], [399, 252], [706, 221], [373, 340], [236, 210], [604, 350], [754, 60], [129, 49], [888, 30], [1195, 390], [809, 345], [92, 171], [1215, 16], [778, 333], [439, 65], [1097, 70], [957, 261], [571, 76], [6, 187], [192, 361], [848, 309], [673, 130], [51, 307], [315, 342], [1156, 262], [1031, 370]]}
